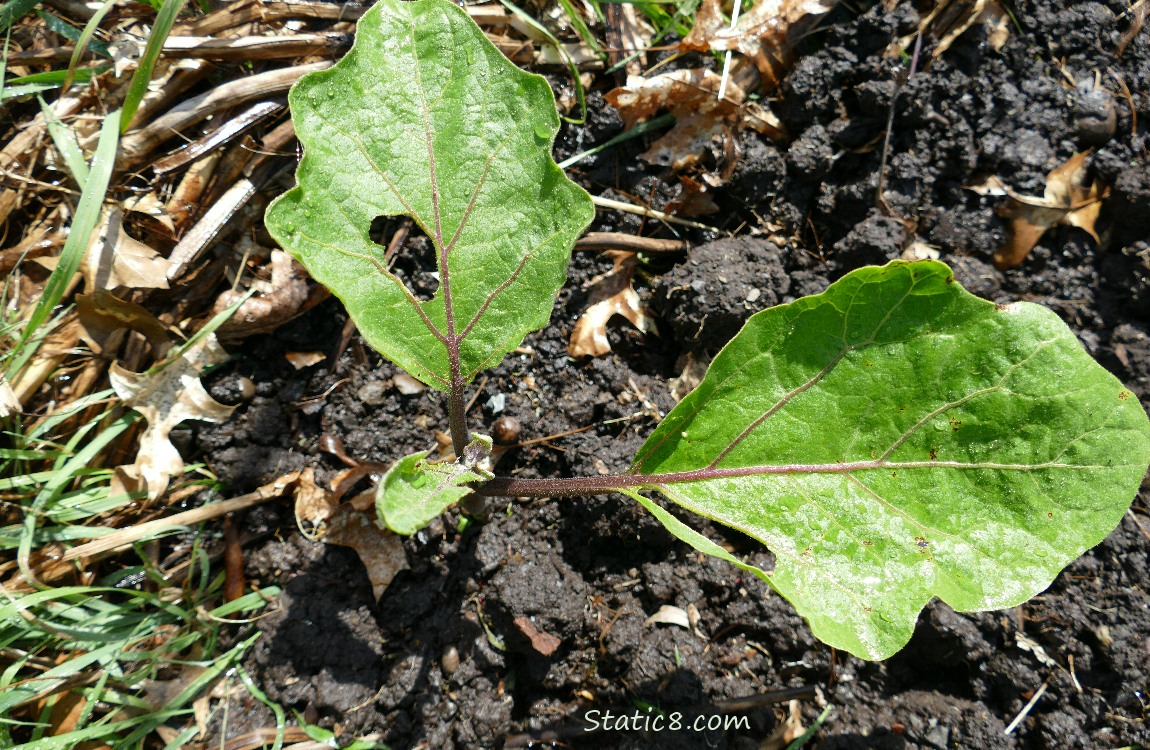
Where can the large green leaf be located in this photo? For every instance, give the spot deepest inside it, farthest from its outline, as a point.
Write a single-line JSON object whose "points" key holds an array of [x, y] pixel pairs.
{"points": [[425, 117], [896, 438]]}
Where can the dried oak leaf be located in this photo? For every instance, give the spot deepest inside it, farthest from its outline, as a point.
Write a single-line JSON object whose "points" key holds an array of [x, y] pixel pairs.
{"points": [[116, 259], [765, 33], [1068, 200], [701, 118], [167, 395], [102, 313], [611, 294], [320, 516]]}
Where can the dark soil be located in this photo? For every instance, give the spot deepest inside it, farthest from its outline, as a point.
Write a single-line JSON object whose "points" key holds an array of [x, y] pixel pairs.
{"points": [[591, 571]]}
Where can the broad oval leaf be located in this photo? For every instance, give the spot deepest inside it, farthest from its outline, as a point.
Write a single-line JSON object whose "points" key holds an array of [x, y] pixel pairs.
{"points": [[895, 439], [424, 117]]}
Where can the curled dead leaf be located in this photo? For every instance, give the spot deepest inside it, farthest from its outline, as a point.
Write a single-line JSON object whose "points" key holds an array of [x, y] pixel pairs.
{"points": [[1069, 199], [701, 118], [320, 516], [116, 259], [166, 395], [102, 313], [265, 313], [380, 550], [765, 33], [611, 294]]}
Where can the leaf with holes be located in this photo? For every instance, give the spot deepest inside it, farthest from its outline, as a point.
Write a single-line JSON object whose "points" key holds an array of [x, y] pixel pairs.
{"points": [[426, 118], [895, 439]]}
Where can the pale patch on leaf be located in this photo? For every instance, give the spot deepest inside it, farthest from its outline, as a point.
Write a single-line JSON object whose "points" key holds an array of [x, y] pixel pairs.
{"points": [[611, 295], [165, 396], [1070, 199], [116, 259], [765, 33], [701, 118]]}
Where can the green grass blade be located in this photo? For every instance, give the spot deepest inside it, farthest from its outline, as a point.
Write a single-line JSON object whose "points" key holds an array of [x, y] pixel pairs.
{"points": [[143, 75], [83, 42], [14, 10], [71, 33], [84, 223], [65, 140], [580, 94]]}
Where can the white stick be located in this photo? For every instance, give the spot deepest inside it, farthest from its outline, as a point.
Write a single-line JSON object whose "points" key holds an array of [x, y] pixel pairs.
{"points": [[727, 60]]}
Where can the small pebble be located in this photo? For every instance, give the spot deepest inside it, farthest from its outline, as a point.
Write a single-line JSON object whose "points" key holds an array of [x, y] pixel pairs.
{"points": [[373, 393], [247, 388], [450, 660]]}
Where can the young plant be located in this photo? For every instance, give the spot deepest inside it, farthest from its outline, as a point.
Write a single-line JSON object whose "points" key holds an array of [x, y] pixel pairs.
{"points": [[891, 440]]}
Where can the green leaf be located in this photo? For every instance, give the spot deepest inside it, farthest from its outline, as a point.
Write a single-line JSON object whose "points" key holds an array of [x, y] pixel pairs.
{"points": [[415, 490], [895, 439], [426, 118]]}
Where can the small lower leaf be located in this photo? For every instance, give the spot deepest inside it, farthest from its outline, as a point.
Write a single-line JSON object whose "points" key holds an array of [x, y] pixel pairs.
{"points": [[415, 490], [895, 439]]}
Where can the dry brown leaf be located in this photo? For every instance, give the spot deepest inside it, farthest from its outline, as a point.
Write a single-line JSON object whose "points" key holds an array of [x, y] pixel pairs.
{"points": [[320, 516], [635, 34], [1068, 200], [381, 550], [611, 294], [9, 403], [263, 314], [149, 205], [314, 506], [691, 374], [669, 615], [165, 396], [765, 33], [102, 313], [785, 733], [701, 118], [116, 259]]}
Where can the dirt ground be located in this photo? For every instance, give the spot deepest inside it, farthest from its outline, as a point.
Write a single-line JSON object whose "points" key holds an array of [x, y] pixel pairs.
{"points": [[438, 663]]}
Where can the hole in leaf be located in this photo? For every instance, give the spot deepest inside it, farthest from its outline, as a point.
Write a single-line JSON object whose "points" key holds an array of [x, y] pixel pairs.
{"points": [[409, 253]]}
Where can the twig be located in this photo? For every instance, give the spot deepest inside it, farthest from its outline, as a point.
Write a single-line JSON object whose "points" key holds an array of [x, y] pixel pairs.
{"points": [[1026, 709], [136, 146], [621, 241], [121, 539], [230, 130], [631, 208], [256, 47]]}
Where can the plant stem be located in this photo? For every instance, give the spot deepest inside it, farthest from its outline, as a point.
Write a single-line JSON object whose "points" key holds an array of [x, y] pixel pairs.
{"points": [[457, 408], [576, 486]]}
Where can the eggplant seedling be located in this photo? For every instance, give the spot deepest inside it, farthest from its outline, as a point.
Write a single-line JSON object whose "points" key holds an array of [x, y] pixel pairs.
{"points": [[891, 440]]}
